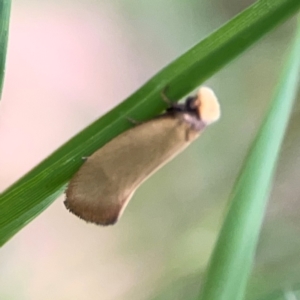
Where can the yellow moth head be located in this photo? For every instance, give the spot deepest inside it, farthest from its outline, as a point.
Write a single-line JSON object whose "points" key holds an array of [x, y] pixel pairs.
{"points": [[208, 105]]}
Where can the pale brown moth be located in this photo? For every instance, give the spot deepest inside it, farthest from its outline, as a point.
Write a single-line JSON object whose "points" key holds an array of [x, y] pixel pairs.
{"points": [[103, 186]]}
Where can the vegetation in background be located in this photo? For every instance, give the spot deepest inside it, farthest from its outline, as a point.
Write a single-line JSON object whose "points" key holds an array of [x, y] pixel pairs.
{"points": [[28, 197]]}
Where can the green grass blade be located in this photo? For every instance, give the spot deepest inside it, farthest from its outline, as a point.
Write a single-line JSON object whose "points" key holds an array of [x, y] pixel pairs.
{"points": [[37, 189], [4, 25], [233, 255]]}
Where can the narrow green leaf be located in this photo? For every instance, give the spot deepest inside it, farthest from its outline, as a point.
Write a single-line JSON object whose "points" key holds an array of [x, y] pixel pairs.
{"points": [[4, 25], [36, 190], [233, 255]]}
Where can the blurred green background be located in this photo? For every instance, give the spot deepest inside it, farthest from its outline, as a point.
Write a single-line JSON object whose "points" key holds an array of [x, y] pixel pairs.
{"points": [[68, 63]]}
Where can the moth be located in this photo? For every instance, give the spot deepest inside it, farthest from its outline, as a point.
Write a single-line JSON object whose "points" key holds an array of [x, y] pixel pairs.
{"points": [[101, 189]]}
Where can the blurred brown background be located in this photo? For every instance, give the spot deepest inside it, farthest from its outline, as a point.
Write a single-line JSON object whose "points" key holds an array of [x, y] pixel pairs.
{"points": [[68, 63]]}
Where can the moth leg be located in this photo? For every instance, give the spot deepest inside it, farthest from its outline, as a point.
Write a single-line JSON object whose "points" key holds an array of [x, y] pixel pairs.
{"points": [[165, 98], [187, 135], [133, 121], [173, 106]]}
